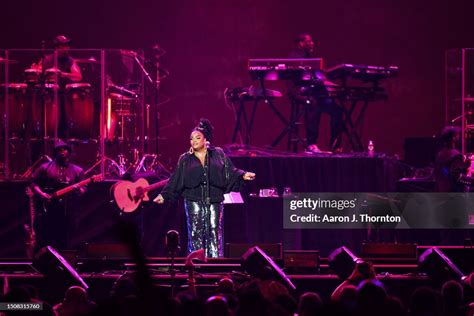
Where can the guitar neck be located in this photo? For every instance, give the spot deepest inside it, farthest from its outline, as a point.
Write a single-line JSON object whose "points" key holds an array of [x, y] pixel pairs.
{"points": [[71, 187], [155, 185]]}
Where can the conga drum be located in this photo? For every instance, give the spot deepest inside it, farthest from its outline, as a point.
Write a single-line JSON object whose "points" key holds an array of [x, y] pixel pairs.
{"points": [[79, 110], [52, 75], [15, 95], [45, 110], [31, 75]]}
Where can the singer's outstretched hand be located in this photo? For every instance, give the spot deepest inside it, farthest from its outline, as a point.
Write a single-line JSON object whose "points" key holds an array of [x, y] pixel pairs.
{"points": [[159, 199], [249, 176]]}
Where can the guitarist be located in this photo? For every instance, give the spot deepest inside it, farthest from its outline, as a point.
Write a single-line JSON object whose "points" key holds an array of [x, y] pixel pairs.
{"points": [[53, 215]]}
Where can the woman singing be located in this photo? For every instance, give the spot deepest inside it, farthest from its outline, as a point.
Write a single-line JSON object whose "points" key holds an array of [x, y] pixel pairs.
{"points": [[203, 175]]}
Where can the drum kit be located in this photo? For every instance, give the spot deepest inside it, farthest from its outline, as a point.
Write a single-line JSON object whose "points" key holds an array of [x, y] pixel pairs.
{"points": [[42, 107], [39, 105]]}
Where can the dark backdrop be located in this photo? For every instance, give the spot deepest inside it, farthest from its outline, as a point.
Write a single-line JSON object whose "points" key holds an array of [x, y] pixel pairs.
{"points": [[208, 44]]}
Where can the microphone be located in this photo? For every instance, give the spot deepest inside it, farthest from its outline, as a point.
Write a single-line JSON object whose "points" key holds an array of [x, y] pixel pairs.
{"points": [[48, 158], [172, 241], [207, 144]]}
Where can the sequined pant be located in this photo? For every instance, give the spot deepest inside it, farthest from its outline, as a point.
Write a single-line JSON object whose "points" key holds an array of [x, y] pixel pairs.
{"points": [[205, 227]]}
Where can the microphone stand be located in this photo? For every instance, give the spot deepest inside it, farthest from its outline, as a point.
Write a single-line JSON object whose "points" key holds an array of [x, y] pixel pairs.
{"points": [[29, 172], [157, 52], [155, 83], [208, 188], [155, 63], [461, 116], [38, 127], [172, 272], [123, 89], [43, 96], [148, 77], [142, 67], [156, 96], [172, 247], [208, 197]]}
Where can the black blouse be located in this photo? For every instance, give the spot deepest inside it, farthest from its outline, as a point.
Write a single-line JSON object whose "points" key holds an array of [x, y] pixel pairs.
{"points": [[190, 178]]}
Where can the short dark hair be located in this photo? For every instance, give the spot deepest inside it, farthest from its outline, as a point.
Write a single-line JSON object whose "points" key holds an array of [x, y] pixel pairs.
{"points": [[301, 37], [449, 132]]}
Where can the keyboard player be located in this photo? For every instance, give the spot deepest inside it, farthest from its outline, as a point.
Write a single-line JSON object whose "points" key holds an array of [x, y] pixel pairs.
{"points": [[315, 102]]}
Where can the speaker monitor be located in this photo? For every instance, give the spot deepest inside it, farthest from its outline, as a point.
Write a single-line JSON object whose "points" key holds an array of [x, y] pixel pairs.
{"points": [[108, 251], [259, 265], [70, 256], [301, 260], [236, 250], [55, 268], [461, 256], [374, 251], [342, 261], [438, 267]]}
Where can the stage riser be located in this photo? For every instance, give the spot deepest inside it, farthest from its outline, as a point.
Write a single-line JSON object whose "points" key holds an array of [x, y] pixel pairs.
{"points": [[323, 174]]}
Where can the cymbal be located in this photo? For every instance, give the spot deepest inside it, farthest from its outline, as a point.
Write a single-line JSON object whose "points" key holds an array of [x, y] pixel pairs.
{"points": [[7, 61], [90, 60]]}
